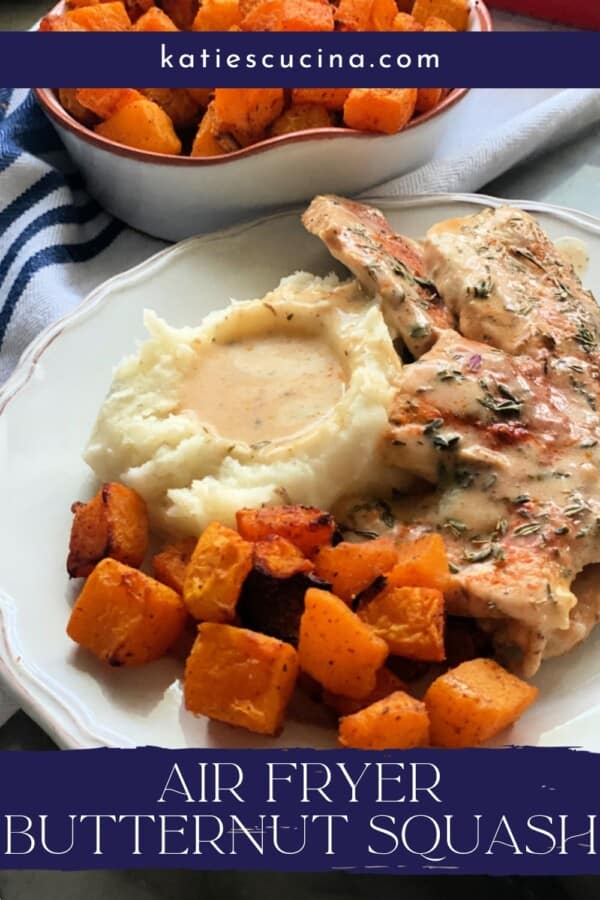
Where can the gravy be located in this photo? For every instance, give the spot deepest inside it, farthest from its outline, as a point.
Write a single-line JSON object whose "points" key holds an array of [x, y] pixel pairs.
{"points": [[264, 388]]}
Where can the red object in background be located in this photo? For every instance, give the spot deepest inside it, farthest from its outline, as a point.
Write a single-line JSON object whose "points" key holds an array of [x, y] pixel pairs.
{"points": [[580, 13]]}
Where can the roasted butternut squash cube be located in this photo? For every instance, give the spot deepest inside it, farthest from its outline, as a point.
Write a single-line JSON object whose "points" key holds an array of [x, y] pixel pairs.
{"points": [[155, 19], [475, 701], [398, 722], [143, 125], [405, 22], [386, 683], [240, 677], [386, 110], [246, 113], [205, 142], [69, 102], [351, 568], [124, 617], [428, 99], [433, 23], [421, 563], [409, 620], [330, 98], [353, 15], [170, 565], [60, 23], [217, 15], [301, 117], [105, 102], [103, 17], [306, 527], [215, 574], [455, 12], [337, 648], [182, 110], [113, 523], [279, 558], [383, 13]]}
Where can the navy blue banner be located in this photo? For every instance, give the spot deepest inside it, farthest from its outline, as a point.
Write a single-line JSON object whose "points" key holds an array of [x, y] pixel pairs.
{"points": [[209, 59], [512, 811]]}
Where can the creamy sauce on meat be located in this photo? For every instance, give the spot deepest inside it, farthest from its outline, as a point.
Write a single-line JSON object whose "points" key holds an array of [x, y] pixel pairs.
{"points": [[265, 388]]}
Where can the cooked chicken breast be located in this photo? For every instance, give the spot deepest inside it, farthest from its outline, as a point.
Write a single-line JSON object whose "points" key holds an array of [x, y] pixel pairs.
{"points": [[388, 266], [501, 423]]}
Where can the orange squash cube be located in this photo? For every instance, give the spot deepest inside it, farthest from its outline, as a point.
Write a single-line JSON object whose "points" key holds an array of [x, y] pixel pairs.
{"points": [[217, 15], [421, 563], [170, 565], [383, 13], [336, 648], [216, 573], [113, 523], [105, 102], [455, 12], [279, 558], [103, 17], [472, 703], [398, 722], [330, 98], [155, 20], [305, 526], [246, 113], [205, 142], [143, 125], [124, 617], [409, 620], [353, 15], [240, 677], [385, 110], [405, 22], [351, 568]]}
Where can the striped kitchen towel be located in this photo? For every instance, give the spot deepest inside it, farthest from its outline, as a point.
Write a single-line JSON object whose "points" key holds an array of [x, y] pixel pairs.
{"points": [[57, 244]]}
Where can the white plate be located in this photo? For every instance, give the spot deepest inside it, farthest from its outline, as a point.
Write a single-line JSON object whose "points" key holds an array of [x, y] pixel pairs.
{"points": [[46, 412]]}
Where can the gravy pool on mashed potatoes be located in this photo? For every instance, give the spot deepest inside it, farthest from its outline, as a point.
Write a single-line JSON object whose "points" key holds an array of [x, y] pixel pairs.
{"points": [[283, 399]]}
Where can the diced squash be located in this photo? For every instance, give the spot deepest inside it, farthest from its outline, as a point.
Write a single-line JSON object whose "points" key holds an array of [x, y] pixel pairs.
{"points": [[183, 111], [289, 15], [217, 15], [398, 722], [435, 24], [182, 12], [383, 13], [143, 125], [409, 620], [201, 96], [60, 23], [216, 573], [69, 101], [336, 648], [455, 12], [351, 568], [105, 102], [386, 683], [421, 563], [113, 523], [428, 99], [330, 98], [405, 22], [279, 558], [155, 19], [169, 566], [205, 142], [246, 113], [386, 110], [353, 15], [302, 117], [305, 526], [124, 617], [103, 17], [236, 676], [475, 701]]}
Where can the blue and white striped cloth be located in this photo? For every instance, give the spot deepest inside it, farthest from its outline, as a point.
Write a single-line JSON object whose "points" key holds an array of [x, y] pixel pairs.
{"points": [[57, 244]]}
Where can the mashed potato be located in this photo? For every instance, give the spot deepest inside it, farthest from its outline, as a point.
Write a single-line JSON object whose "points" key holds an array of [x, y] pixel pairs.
{"points": [[278, 400]]}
